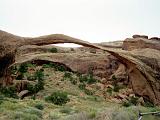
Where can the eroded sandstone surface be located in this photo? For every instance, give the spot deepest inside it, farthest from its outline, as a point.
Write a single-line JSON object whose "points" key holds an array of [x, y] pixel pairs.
{"points": [[139, 66]]}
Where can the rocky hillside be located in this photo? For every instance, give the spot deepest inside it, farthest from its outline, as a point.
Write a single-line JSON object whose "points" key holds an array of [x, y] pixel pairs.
{"points": [[127, 73]]}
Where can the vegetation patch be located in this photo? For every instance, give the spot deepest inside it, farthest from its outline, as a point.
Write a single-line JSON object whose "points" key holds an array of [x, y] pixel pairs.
{"points": [[9, 91], [58, 98], [53, 50], [132, 101], [39, 106]]}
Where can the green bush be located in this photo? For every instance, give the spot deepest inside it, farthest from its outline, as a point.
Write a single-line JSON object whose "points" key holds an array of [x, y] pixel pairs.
{"points": [[31, 65], [40, 85], [83, 78], [82, 86], [39, 106], [53, 50], [126, 104], [134, 100], [14, 69], [2, 98], [92, 114], [60, 68], [109, 90], [18, 115], [28, 113], [114, 77], [66, 110], [131, 101], [23, 68], [39, 74], [9, 91], [40, 77], [149, 104], [91, 80], [20, 76], [67, 75], [47, 65], [87, 78], [58, 98], [30, 87], [116, 88], [73, 81]]}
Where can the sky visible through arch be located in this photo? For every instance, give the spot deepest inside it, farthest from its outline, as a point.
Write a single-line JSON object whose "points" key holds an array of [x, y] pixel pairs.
{"points": [[90, 20]]}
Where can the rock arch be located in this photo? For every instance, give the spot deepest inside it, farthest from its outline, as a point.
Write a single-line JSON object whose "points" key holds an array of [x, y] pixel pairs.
{"points": [[141, 76]]}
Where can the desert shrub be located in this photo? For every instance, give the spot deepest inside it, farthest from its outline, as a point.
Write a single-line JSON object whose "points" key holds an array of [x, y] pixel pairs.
{"points": [[83, 78], [126, 104], [114, 77], [109, 90], [67, 75], [91, 80], [92, 114], [54, 116], [20, 76], [9, 91], [40, 85], [47, 65], [31, 77], [73, 81], [66, 110], [39, 74], [2, 98], [131, 101], [134, 100], [122, 115], [28, 113], [87, 78], [39, 106], [23, 68], [116, 88], [78, 116], [88, 92], [60, 68], [33, 97], [82, 86], [53, 50], [31, 65], [18, 115], [58, 98], [40, 77], [148, 104], [30, 87], [14, 69]]}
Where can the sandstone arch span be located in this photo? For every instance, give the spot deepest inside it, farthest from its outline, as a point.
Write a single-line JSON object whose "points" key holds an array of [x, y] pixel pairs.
{"points": [[141, 76]]}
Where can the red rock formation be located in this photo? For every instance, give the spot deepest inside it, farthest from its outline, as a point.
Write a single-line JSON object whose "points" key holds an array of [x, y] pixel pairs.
{"points": [[140, 43], [141, 76]]}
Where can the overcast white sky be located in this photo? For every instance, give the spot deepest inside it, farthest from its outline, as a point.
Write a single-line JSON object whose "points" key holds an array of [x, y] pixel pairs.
{"points": [[91, 20]]}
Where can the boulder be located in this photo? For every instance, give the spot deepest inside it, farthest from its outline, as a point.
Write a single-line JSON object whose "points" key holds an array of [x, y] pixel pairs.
{"points": [[154, 38], [136, 36], [140, 36], [144, 36], [23, 93]]}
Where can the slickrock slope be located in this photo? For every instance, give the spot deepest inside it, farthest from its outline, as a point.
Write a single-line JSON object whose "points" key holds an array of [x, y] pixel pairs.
{"points": [[142, 77]]}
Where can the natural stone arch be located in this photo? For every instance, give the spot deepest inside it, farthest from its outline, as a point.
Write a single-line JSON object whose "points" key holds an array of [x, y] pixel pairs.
{"points": [[9, 43]]}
